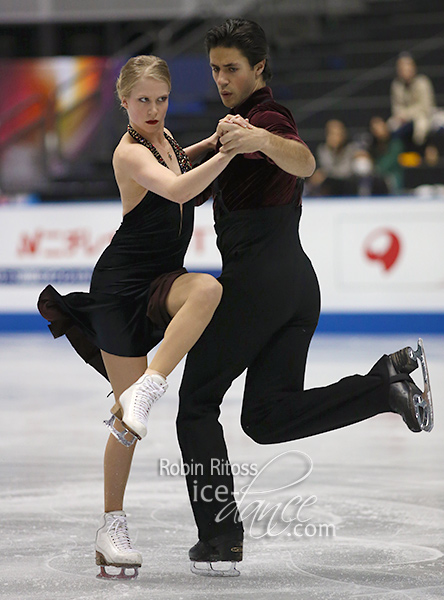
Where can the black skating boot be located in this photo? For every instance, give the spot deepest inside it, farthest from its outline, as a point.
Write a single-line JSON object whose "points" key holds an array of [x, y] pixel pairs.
{"points": [[227, 547], [404, 360], [403, 390], [403, 363]]}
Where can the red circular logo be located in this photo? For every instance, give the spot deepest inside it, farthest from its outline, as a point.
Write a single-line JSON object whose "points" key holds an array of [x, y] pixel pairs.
{"points": [[383, 245]]}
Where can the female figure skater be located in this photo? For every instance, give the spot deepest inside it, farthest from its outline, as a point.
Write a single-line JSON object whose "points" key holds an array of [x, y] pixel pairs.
{"points": [[141, 273]]}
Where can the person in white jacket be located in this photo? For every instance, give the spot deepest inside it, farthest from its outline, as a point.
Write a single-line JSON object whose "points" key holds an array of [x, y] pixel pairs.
{"points": [[412, 100]]}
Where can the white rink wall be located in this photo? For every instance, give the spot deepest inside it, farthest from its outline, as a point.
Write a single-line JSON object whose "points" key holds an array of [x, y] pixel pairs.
{"points": [[380, 262]]}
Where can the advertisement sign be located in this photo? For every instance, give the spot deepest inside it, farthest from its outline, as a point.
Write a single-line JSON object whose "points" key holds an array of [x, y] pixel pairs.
{"points": [[372, 257], [59, 244], [389, 252], [380, 255]]}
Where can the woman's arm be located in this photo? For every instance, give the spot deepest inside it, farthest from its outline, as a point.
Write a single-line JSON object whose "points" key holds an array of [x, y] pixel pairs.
{"points": [[196, 150], [137, 162]]}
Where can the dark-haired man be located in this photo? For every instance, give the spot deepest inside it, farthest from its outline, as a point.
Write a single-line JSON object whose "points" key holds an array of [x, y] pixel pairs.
{"points": [[270, 304]]}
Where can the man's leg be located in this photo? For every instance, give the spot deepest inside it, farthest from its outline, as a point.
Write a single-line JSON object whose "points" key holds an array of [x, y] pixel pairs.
{"points": [[276, 408], [226, 348]]}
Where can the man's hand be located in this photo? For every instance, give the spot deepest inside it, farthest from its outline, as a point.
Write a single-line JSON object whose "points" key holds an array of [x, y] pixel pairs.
{"points": [[230, 119], [237, 133], [239, 136]]}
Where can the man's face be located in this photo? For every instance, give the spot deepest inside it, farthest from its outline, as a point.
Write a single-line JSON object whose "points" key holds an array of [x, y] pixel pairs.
{"points": [[235, 78]]}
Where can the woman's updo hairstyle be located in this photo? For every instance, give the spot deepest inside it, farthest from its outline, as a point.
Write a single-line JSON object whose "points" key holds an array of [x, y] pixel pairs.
{"points": [[139, 67]]}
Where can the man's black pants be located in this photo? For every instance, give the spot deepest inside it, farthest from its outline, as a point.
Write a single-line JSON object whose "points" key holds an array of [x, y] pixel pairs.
{"points": [[264, 323]]}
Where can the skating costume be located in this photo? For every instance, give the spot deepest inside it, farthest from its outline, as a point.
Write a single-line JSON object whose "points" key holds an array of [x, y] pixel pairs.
{"points": [[132, 277], [264, 323]]}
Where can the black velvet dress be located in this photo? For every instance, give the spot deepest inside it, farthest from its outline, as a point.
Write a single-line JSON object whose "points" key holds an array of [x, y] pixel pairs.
{"points": [[132, 277]]}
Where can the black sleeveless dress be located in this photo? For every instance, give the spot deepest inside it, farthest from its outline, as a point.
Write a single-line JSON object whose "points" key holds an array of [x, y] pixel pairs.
{"points": [[133, 274]]}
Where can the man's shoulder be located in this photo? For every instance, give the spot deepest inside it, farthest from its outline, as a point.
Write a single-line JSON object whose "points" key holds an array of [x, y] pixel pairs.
{"points": [[270, 110]]}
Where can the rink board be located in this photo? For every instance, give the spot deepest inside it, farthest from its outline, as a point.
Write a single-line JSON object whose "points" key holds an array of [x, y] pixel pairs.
{"points": [[379, 262]]}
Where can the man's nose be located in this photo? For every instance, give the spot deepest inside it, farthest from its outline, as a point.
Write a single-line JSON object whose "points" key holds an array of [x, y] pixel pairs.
{"points": [[222, 79]]}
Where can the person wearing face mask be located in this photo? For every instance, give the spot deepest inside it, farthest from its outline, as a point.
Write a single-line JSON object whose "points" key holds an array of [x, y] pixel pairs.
{"points": [[365, 181]]}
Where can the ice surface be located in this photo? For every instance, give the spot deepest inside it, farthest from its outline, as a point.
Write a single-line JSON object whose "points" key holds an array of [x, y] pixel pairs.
{"points": [[377, 484]]}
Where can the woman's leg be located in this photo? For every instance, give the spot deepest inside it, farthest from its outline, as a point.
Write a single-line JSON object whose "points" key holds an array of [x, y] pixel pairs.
{"points": [[191, 302], [122, 372]]}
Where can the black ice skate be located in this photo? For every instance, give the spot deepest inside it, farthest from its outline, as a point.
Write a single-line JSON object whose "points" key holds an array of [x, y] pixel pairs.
{"points": [[406, 398], [224, 549]]}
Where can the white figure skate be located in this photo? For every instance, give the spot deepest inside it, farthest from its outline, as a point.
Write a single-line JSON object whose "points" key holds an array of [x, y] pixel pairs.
{"points": [[113, 547], [134, 406]]}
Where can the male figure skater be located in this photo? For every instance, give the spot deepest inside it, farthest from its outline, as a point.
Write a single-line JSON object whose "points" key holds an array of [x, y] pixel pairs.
{"points": [[270, 304]]}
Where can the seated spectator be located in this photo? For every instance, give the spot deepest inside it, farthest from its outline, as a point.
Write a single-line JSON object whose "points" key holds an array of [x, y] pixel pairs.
{"points": [[435, 141], [385, 150], [413, 103], [365, 181], [334, 160]]}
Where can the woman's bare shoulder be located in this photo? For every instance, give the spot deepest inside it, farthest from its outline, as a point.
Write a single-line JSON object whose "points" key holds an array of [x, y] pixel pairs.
{"points": [[129, 152]]}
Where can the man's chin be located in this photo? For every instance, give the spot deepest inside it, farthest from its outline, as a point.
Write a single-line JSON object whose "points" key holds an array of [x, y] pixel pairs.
{"points": [[227, 102]]}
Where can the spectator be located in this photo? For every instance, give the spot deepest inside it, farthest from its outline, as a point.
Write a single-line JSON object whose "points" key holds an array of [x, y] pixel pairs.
{"points": [[335, 162], [365, 181], [384, 150], [413, 102]]}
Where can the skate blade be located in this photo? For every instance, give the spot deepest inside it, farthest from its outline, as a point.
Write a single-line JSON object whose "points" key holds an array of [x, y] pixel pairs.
{"points": [[209, 569], [423, 403], [122, 575], [121, 435]]}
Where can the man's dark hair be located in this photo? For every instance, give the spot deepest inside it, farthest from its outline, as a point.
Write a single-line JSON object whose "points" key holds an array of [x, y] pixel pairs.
{"points": [[246, 36]]}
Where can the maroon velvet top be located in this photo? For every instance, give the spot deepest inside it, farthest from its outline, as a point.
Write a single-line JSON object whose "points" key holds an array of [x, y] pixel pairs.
{"points": [[253, 180]]}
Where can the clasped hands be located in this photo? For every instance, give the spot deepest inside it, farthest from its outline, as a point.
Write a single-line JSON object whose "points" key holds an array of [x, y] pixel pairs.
{"points": [[237, 135]]}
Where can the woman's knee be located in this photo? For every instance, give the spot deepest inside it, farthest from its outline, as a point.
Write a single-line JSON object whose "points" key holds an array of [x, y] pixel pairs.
{"points": [[207, 291]]}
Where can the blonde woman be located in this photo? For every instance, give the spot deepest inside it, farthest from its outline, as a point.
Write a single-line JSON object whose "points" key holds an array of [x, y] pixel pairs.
{"points": [[139, 286]]}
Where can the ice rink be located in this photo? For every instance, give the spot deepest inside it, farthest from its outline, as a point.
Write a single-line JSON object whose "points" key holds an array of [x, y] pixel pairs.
{"points": [[353, 514]]}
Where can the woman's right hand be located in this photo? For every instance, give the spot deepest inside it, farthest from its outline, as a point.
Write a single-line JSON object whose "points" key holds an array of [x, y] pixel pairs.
{"points": [[212, 141]]}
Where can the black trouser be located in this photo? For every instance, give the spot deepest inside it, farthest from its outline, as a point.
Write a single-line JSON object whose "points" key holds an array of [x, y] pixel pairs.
{"points": [[264, 323]]}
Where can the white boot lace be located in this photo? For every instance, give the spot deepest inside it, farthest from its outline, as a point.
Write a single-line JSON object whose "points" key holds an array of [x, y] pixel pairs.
{"points": [[147, 393], [118, 532]]}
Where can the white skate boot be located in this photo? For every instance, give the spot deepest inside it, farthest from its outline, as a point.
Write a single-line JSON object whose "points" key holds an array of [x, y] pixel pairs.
{"points": [[134, 407], [113, 547]]}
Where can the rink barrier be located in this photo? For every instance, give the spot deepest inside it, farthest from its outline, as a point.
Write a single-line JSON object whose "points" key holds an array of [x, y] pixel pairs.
{"points": [[334, 323], [378, 261]]}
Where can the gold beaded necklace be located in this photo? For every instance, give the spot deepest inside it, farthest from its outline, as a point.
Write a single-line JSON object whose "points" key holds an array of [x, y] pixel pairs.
{"points": [[182, 158]]}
